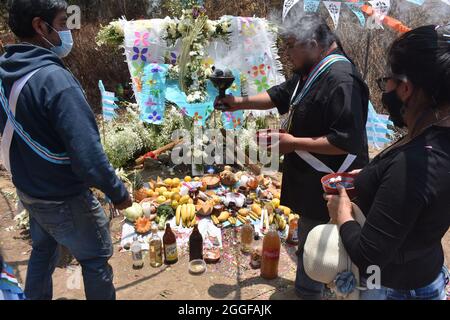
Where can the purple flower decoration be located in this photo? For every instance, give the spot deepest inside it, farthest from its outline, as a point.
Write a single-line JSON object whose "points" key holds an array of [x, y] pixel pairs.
{"points": [[157, 69], [154, 117], [173, 58], [140, 54]]}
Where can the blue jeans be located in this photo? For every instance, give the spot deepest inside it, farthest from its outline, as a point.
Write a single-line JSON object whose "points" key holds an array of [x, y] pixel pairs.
{"points": [[305, 287], [81, 225], [434, 291]]}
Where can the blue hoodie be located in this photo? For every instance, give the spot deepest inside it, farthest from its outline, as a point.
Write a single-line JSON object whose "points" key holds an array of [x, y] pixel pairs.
{"points": [[53, 110]]}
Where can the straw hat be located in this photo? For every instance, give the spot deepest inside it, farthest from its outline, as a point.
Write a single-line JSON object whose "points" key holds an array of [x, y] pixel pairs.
{"points": [[325, 257]]}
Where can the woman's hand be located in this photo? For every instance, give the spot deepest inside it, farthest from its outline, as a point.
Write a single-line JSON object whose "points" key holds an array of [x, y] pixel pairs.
{"points": [[339, 207], [285, 142]]}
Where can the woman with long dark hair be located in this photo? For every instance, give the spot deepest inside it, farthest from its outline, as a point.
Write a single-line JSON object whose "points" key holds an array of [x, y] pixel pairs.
{"points": [[404, 191]]}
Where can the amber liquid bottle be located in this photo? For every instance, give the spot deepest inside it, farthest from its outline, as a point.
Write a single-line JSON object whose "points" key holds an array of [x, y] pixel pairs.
{"points": [[270, 255], [155, 245], [170, 246], [195, 245], [247, 235], [293, 232]]}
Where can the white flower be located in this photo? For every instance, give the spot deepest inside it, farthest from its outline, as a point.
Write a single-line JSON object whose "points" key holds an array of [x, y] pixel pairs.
{"points": [[208, 72]]}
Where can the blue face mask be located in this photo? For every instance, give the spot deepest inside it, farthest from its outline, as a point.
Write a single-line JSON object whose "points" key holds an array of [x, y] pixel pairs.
{"points": [[66, 46]]}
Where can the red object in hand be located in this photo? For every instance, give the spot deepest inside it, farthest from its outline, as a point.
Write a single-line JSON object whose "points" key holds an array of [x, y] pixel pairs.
{"points": [[347, 181]]}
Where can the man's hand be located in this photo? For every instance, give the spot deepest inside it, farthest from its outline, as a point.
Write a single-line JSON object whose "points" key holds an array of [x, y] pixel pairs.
{"points": [[285, 142], [124, 205], [339, 207], [233, 103]]}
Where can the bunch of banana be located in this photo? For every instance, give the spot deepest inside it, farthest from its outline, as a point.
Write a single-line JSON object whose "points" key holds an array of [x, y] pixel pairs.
{"points": [[232, 221], [280, 222], [256, 208], [185, 215], [287, 211], [215, 220]]}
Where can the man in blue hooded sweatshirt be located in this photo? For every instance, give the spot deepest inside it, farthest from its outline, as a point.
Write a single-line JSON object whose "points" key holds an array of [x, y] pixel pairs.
{"points": [[51, 145]]}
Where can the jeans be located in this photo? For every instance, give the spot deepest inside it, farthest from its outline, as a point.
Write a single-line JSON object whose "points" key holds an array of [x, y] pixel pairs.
{"points": [[434, 291], [81, 225], [305, 287]]}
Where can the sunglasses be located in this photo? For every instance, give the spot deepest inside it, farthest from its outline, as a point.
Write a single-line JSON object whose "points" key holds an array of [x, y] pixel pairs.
{"points": [[382, 82]]}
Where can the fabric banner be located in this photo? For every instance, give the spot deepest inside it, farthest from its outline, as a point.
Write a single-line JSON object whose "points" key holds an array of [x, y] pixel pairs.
{"points": [[418, 2], [381, 7], [356, 8], [288, 5], [108, 103], [311, 5], [252, 44], [377, 129], [152, 102], [334, 8], [234, 120]]}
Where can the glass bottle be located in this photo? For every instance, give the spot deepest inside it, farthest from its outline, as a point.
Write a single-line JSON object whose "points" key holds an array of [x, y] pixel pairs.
{"points": [[195, 245], [247, 234], [170, 246], [293, 232], [155, 245], [136, 254], [270, 254]]}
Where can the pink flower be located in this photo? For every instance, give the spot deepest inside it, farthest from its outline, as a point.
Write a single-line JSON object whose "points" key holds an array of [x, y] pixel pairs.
{"points": [[141, 39]]}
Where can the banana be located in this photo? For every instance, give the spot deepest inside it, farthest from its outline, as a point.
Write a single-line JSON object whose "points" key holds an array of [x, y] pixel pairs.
{"points": [[231, 221], [271, 219], [178, 215], [253, 215], [286, 210], [257, 209], [215, 220], [241, 219], [282, 225], [193, 211], [224, 216], [184, 214], [244, 212], [194, 221]]}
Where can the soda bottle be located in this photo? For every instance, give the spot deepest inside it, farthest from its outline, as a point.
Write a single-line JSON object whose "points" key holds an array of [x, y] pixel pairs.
{"points": [[270, 254], [170, 246], [293, 232]]}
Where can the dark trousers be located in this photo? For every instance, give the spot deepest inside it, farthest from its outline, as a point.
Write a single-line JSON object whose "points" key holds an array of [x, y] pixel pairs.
{"points": [[81, 225]]}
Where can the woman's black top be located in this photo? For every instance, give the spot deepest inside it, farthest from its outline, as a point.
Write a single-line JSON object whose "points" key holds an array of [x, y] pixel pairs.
{"points": [[405, 195]]}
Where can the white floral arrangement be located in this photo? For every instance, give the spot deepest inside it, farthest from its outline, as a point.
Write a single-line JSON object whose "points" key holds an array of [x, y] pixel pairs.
{"points": [[111, 34], [196, 32], [127, 137]]}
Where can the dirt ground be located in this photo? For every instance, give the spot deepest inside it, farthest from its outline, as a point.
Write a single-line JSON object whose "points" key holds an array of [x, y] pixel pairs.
{"points": [[165, 283]]}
